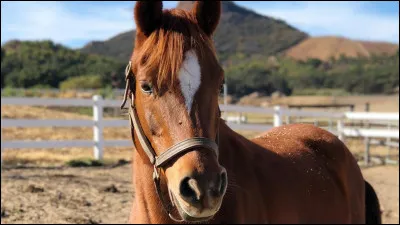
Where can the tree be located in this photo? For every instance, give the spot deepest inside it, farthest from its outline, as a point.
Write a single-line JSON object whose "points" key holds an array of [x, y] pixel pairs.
{"points": [[315, 63]]}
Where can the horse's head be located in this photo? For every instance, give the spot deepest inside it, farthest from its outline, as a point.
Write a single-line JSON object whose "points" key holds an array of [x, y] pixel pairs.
{"points": [[178, 79]]}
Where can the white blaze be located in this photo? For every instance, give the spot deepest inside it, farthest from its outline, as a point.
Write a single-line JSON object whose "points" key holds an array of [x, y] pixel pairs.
{"points": [[190, 78]]}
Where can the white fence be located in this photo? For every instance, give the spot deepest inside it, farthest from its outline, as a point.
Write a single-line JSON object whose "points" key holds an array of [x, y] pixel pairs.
{"points": [[98, 123]]}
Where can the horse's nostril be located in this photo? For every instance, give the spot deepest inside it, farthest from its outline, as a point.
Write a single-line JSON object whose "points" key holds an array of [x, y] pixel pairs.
{"points": [[222, 183], [185, 189], [189, 189]]}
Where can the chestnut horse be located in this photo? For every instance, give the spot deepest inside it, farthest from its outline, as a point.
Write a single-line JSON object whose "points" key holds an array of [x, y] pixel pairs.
{"points": [[189, 166]]}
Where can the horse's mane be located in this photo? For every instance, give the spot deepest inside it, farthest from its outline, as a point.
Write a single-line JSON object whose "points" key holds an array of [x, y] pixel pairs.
{"points": [[162, 53]]}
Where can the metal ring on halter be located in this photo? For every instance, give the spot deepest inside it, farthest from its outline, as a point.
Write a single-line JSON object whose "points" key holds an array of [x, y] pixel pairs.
{"points": [[174, 219]]}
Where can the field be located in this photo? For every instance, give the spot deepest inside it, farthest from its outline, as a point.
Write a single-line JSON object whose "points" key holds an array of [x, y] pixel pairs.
{"points": [[378, 103], [38, 187]]}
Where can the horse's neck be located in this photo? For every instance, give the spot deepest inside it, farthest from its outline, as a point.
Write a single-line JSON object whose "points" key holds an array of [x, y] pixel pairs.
{"points": [[231, 143]]}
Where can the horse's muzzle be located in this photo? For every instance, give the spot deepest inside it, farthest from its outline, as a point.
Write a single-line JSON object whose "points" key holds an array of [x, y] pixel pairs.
{"points": [[198, 198]]}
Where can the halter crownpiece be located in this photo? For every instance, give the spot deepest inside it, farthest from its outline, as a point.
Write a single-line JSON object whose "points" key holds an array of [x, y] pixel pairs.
{"points": [[172, 152]]}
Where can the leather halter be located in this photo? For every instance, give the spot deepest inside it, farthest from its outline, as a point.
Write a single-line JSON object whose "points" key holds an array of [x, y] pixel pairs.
{"points": [[168, 155]]}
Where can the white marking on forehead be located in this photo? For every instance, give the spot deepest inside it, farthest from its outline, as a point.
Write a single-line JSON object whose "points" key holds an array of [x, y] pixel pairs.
{"points": [[190, 78]]}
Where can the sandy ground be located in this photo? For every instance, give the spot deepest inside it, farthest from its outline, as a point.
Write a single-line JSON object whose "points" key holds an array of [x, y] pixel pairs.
{"points": [[385, 181], [66, 195], [104, 195]]}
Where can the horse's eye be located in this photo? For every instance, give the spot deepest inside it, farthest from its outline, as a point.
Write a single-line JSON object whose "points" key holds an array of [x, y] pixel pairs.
{"points": [[147, 88]]}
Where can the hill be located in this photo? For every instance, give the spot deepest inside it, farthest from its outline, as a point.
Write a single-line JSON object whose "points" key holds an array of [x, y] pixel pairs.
{"points": [[380, 48], [46, 64], [241, 33], [324, 48]]}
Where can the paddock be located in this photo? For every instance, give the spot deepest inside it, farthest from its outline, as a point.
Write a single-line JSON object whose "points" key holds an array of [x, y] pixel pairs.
{"points": [[38, 187]]}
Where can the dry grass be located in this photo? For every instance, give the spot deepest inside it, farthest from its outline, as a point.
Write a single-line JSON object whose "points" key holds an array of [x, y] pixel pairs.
{"points": [[61, 155], [28, 112], [325, 47], [378, 103], [55, 156]]}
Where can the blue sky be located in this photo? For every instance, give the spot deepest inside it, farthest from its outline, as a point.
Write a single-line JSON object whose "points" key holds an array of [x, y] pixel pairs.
{"points": [[74, 24]]}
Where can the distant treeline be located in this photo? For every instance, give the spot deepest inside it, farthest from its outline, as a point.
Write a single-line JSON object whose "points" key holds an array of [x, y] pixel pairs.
{"points": [[44, 64], [30, 64], [373, 75]]}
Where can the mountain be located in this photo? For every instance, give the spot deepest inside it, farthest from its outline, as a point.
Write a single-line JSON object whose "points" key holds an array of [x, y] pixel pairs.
{"points": [[240, 33], [119, 47], [324, 48]]}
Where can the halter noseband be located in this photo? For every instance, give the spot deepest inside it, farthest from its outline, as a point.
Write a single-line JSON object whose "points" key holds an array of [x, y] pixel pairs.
{"points": [[160, 161]]}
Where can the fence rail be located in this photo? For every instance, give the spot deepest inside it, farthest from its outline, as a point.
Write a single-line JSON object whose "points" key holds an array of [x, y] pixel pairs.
{"points": [[98, 143]]}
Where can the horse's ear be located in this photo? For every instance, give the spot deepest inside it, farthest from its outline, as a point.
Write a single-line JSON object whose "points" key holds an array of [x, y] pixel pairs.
{"points": [[148, 15], [207, 14]]}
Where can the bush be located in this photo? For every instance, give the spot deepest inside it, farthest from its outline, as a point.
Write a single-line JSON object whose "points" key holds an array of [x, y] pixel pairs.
{"points": [[41, 86], [12, 92], [106, 92], [82, 82]]}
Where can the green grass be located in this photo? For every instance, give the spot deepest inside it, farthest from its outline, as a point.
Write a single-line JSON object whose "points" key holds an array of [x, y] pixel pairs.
{"points": [[320, 92], [85, 163], [89, 162]]}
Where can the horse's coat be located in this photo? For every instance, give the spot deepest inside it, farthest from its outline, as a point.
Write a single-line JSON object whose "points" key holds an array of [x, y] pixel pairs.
{"points": [[295, 173]]}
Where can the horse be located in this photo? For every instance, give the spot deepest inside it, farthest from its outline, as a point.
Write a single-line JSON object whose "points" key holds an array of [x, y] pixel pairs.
{"points": [[190, 167]]}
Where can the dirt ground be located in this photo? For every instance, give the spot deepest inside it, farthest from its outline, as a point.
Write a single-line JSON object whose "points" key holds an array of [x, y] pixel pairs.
{"points": [[66, 195], [104, 195]]}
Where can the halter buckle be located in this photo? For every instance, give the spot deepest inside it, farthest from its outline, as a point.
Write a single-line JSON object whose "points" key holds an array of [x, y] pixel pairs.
{"points": [[156, 175]]}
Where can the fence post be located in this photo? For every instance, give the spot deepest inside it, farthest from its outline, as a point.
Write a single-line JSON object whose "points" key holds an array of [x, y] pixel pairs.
{"points": [[277, 116], [388, 143], [1, 133], [388, 139], [366, 153], [340, 127], [98, 127], [288, 119]]}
